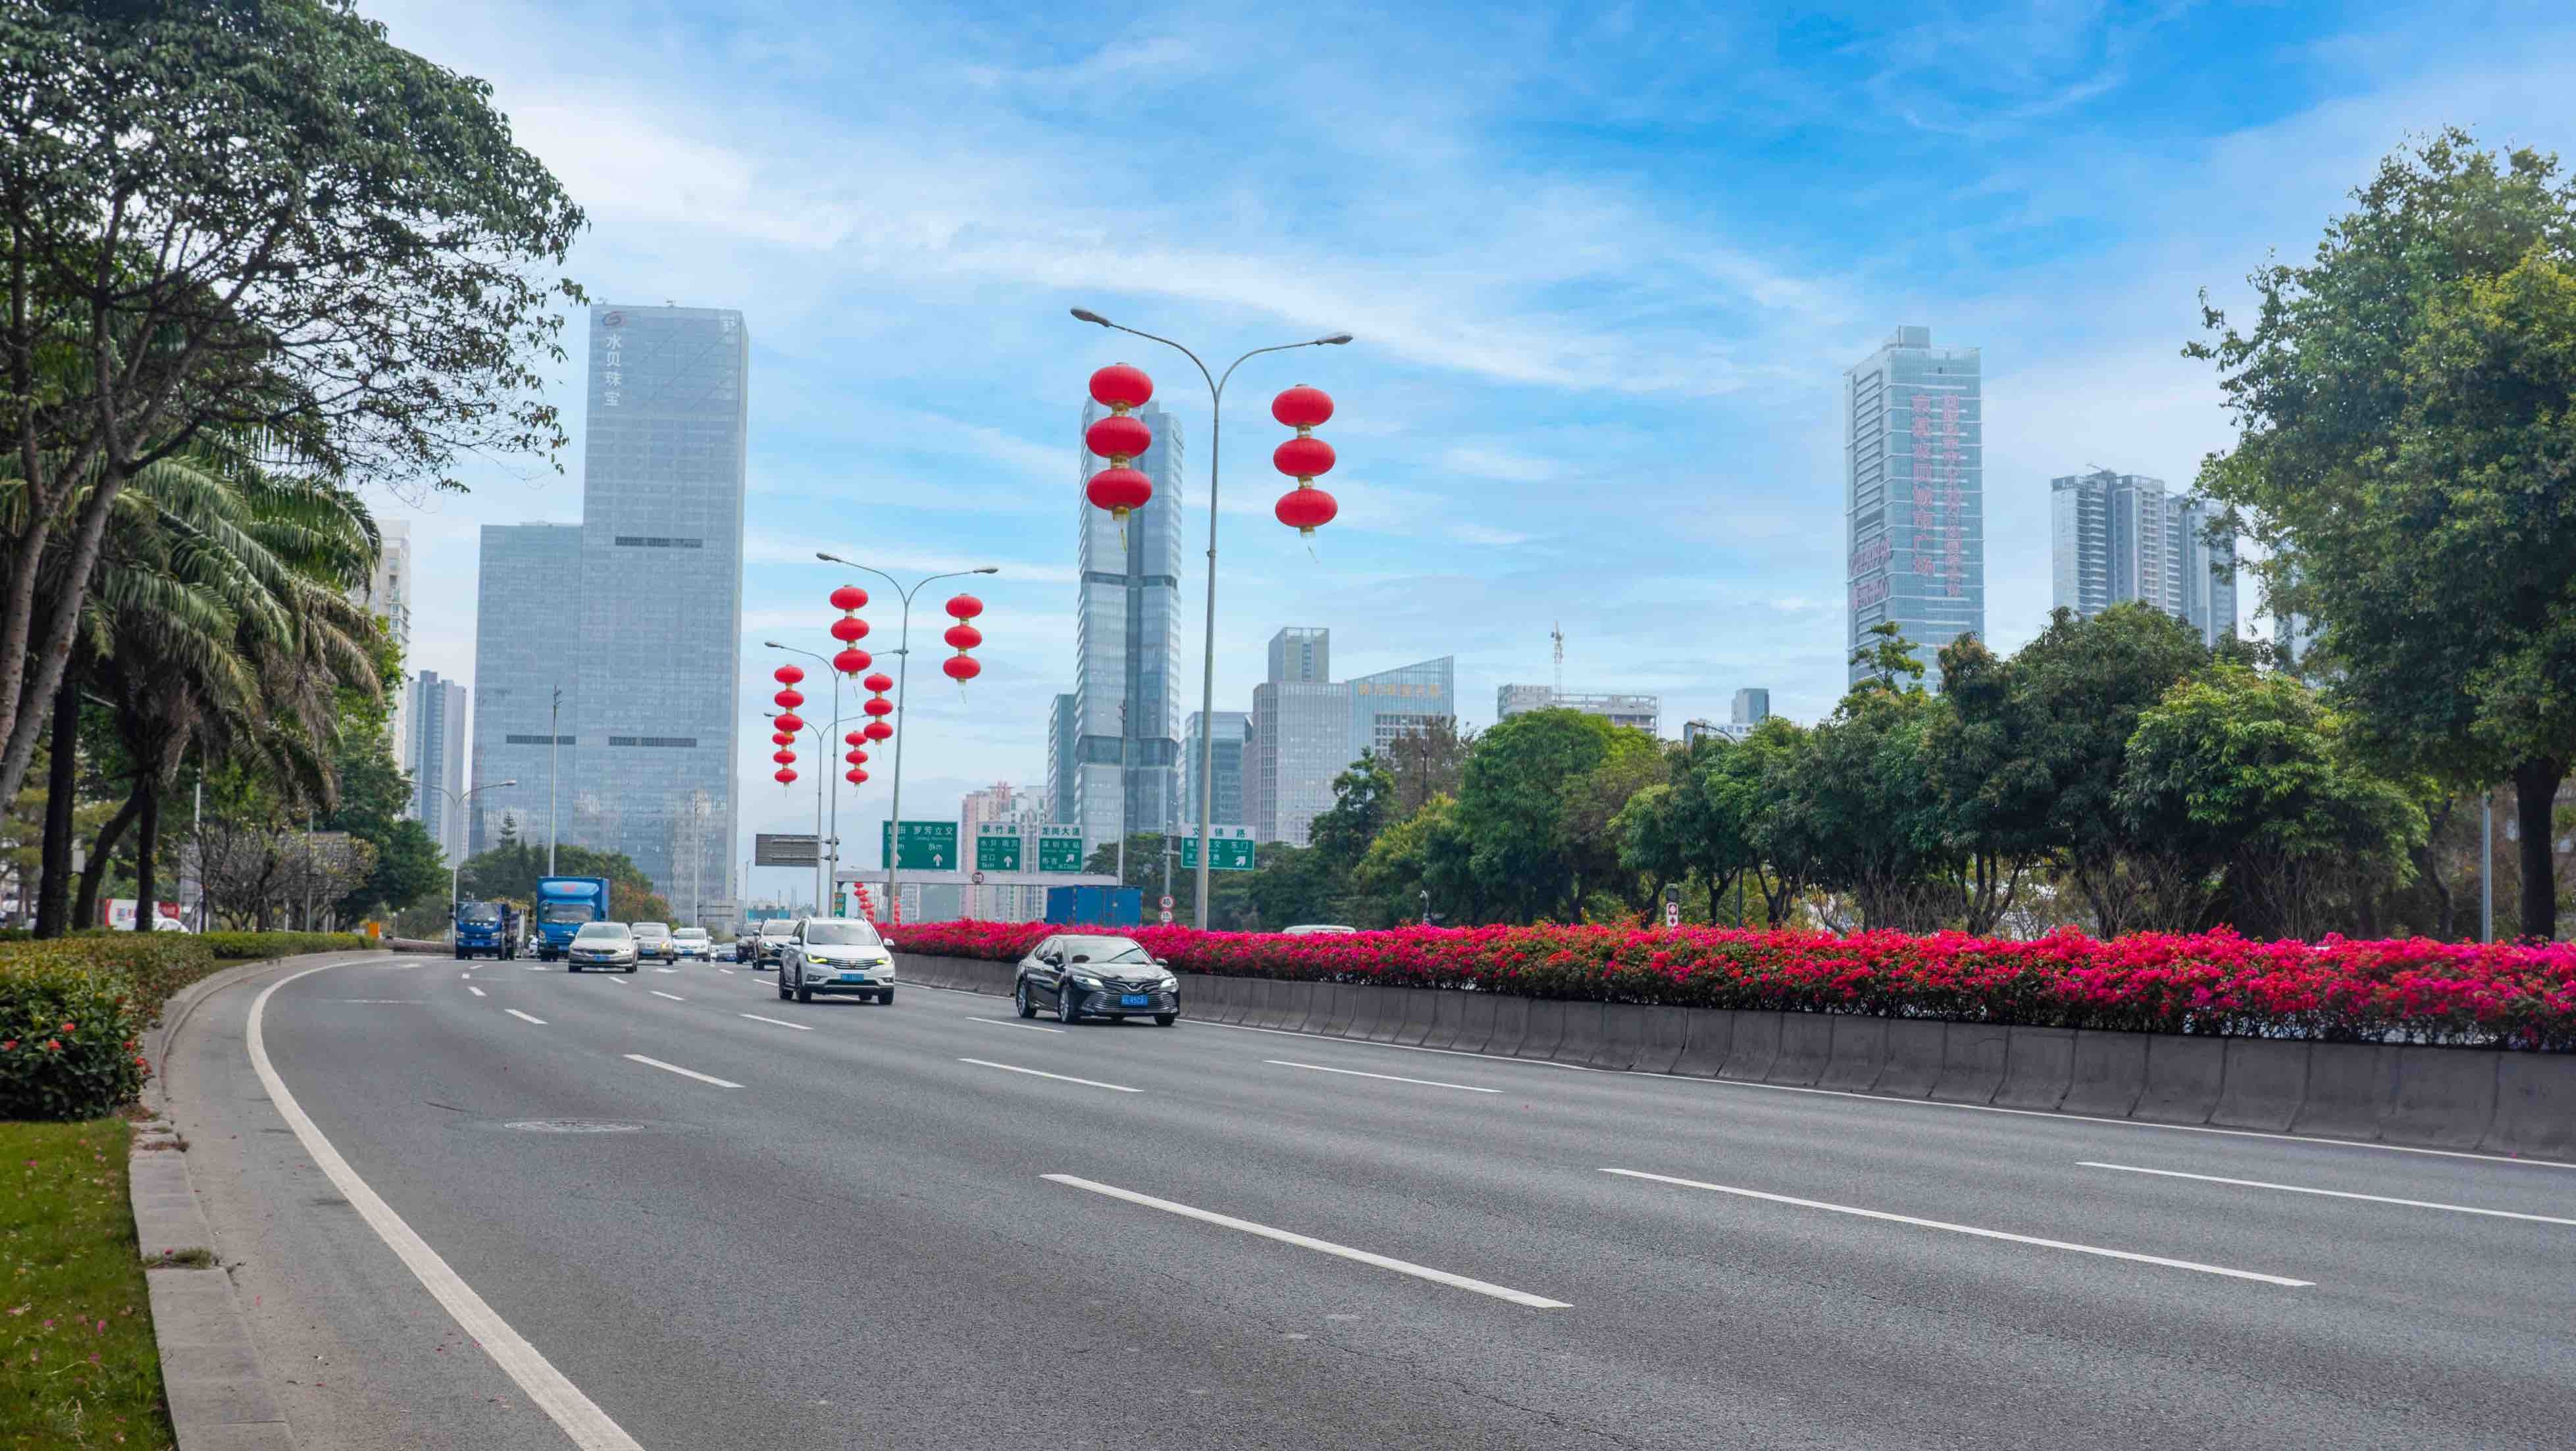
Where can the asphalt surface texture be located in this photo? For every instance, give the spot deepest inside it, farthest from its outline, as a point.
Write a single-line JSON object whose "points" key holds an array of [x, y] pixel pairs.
{"points": [[861, 1244]]}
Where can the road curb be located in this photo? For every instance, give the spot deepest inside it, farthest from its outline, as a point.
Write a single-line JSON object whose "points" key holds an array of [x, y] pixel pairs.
{"points": [[210, 1372]]}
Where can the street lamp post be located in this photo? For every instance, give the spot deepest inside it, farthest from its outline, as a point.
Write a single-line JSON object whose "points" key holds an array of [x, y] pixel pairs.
{"points": [[823, 900], [456, 869], [822, 745], [903, 681], [1207, 666], [554, 772]]}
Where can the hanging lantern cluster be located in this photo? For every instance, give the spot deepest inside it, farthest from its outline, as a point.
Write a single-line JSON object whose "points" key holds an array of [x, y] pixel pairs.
{"points": [[1120, 438], [784, 737], [1304, 458], [857, 756], [962, 667], [849, 629], [877, 707]]}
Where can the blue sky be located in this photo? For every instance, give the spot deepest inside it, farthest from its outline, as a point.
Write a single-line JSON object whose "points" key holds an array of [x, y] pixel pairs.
{"points": [[1605, 265]]}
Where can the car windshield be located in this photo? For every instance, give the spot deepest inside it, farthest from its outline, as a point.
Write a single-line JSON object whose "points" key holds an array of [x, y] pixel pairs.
{"points": [[602, 932], [691, 934], [777, 929], [652, 929], [568, 911], [480, 914], [840, 934], [1104, 949]]}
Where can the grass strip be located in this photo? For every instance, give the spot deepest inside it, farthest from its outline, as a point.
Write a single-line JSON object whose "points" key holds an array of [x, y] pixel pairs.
{"points": [[78, 1365]]}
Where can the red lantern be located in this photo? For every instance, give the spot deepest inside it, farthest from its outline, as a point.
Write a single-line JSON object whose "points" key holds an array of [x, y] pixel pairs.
{"points": [[787, 674], [961, 668], [1119, 387], [850, 597], [789, 699], [782, 757], [786, 777], [781, 738], [855, 776], [878, 705], [963, 636], [850, 629], [851, 662], [852, 738], [1301, 407], [878, 730], [1121, 491], [1303, 457], [1118, 438], [965, 607], [879, 682], [855, 758], [791, 721], [1306, 508]]}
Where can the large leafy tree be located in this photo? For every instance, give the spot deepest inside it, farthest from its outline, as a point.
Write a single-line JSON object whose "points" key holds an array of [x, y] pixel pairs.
{"points": [[2406, 458], [253, 217], [1510, 804], [1984, 764]]}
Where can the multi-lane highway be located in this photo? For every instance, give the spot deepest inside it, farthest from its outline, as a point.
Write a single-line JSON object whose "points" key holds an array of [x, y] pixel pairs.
{"points": [[711, 1219]]}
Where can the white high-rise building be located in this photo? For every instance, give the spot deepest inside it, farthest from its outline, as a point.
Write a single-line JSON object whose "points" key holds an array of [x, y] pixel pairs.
{"points": [[1000, 804], [388, 596], [2118, 537], [436, 716], [1307, 728], [1914, 494], [1121, 772]]}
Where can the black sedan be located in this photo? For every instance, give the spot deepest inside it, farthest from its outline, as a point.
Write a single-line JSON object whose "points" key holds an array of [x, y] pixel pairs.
{"points": [[1082, 976]]}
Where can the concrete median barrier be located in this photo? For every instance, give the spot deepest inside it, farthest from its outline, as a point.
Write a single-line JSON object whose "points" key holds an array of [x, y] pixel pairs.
{"points": [[1913, 1058], [1806, 1046], [1972, 1062], [2039, 1065], [1511, 1025], [1341, 1007], [2184, 1076], [1476, 1022], [1269, 1004], [2266, 1084], [1546, 1029], [2445, 1098], [1859, 1054], [1305, 1007], [1623, 1036], [1392, 1005], [1584, 1026], [2349, 1090], [1448, 1017], [2108, 1074], [1222, 1002], [1708, 1035], [1752, 1046], [1667, 1036], [2535, 1109]]}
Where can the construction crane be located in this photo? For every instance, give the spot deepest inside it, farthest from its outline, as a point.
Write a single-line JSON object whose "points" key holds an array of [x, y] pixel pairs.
{"points": [[1556, 634]]}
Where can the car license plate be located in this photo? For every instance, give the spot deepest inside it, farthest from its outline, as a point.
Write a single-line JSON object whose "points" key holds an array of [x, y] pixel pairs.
{"points": [[1137, 1000], [854, 977]]}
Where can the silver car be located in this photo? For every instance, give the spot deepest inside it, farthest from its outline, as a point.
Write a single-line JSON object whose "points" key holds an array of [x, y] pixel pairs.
{"points": [[835, 955], [609, 945], [693, 942], [653, 940], [772, 937]]}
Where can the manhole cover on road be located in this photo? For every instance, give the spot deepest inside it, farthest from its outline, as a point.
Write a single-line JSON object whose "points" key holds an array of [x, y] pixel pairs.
{"points": [[572, 1126]]}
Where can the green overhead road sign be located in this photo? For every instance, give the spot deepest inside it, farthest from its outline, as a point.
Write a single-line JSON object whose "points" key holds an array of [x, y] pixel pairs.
{"points": [[1059, 848], [1229, 849], [997, 851], [928, 846]]}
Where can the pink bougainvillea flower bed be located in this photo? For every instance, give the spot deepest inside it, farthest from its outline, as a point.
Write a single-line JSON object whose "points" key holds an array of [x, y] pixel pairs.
{"points": [[2407, 989]]}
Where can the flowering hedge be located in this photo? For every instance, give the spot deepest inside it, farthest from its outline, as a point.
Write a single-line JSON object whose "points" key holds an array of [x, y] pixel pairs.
{"points": [[2410, 989], [72, 1016]]}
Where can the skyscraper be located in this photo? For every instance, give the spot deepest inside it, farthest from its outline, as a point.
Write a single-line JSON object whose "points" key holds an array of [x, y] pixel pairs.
{"points": [[1301, 653], [1306, 728], [1125, 761], [2122, 537], [527, 638], [999, 804], [1752, 706], [661, 606], [1062, 736], [387, 595], [1914, 493], [1233, 738], [436, 720], [1401, 702]]}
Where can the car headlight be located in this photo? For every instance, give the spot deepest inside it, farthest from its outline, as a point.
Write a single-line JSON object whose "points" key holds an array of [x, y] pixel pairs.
{"points": [[1170, 984], [1092, 983], [818, 961]]}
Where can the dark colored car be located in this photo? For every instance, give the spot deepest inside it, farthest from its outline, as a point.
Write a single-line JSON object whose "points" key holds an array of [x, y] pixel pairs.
{"points": [[1085, 976]]}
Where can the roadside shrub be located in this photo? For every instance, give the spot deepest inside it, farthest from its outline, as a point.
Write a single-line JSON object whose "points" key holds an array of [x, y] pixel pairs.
{"points": [[70, 1039], [2409, 990], [284, 944]]}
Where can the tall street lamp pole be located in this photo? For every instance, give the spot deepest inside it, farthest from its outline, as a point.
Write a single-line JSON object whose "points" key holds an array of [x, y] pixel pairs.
{"points": [[455, 870], [1207, 666], [823, 902], [822, 745], [903, 681], [554, 772]]}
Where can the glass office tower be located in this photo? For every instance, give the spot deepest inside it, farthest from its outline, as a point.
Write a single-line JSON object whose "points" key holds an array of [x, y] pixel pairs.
{"points": [[527, 640], [1125, 766], [1914, 494]]}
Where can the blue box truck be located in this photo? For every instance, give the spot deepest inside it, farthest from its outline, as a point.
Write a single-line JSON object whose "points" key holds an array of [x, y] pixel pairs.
{"points": [[1095, 907], [563, 905], [487, 929]]}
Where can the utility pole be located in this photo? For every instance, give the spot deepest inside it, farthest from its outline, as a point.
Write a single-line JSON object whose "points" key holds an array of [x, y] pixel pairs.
{"points": [[2486, 866], [554, 772]]}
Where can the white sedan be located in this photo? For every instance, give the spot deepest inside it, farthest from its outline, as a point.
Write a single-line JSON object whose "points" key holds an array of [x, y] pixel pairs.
{"points": [[609, 945]]}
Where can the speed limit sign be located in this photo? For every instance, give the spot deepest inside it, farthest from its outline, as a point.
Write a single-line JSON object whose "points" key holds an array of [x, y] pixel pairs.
{"points": [[1167, 916], [1166, 903]]}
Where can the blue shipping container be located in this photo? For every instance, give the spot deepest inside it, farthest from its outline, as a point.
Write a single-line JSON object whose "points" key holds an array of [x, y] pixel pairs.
{"points": [[1095, 906]]}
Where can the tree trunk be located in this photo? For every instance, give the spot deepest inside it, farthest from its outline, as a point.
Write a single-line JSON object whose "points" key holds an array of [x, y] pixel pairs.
{"points": [[147, 840], [2535, 785], [62, 795], [85, 911]]}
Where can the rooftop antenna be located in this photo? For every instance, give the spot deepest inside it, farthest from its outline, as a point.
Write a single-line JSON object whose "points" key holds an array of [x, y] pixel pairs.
{"points": [[1556, 633]]}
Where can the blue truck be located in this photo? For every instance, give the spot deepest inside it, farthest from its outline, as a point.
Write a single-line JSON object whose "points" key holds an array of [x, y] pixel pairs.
{"points": [[1095, 906], [563, 905], [487, 929]]}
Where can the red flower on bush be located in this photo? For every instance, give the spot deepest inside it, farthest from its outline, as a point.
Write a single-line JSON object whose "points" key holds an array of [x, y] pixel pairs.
{"points": [[52, 1047]]}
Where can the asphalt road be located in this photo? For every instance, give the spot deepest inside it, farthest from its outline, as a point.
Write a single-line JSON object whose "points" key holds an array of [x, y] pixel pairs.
{"points": [[862, 1243]]}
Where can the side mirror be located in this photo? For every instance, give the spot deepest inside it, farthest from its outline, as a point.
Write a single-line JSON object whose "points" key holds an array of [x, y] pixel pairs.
{"points": [[1082, 957], [887, 943]]}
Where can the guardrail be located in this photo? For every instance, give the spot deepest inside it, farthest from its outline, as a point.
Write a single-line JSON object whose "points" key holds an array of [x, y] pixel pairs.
{"points": [[2481, 1099]]}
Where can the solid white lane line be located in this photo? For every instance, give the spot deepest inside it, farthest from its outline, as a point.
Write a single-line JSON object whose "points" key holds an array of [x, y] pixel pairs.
{"points": [[657, 992], [514, 1012], [621, 982], [666, 969], [683, 1072], [2329, 1193], [1058, 1077], [478, 992], [1388, 1077], [1880, 1214], [1324, 1246], [778, 1022], [469, 972], [561, 1400], [727, 971], [1404, 1047], [1007, 1023]]}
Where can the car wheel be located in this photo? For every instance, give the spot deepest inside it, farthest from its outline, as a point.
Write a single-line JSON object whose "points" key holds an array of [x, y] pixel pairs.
{"points": [[1065, 1011], [1020, 999], [630, 967], [572, 967], [804, 994], [1165, 1020], [886, 999], [782, 987]]}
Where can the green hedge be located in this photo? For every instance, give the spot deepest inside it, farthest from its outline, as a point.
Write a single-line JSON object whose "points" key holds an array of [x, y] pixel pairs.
{"points": [[284, 944]]}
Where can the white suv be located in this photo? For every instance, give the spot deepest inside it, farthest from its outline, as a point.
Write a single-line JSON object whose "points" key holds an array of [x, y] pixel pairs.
{"points": [[835, 955]]}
